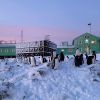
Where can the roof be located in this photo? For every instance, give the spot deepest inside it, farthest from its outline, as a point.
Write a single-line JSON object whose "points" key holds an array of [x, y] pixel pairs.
{"points": [[88, 34], [7, 45], [69, 46]]}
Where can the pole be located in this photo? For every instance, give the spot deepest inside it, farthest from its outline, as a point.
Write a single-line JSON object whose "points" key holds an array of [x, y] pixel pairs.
{"points": [[89, 27], [21, 36], [47, 37]]}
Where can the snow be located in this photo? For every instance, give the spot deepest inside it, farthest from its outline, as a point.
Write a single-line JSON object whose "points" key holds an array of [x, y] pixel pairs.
{"points": [[20, 81], [98, 56]]}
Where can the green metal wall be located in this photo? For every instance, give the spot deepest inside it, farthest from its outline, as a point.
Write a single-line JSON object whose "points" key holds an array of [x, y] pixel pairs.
{"points": [[66, 51], [8, 51], [85, 43]]}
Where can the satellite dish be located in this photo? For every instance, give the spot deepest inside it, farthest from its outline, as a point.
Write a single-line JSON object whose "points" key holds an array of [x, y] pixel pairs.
{"points": [[47, 37]]}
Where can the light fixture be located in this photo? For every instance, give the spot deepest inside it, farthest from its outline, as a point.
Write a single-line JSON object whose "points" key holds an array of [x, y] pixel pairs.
{"points": [[62, 50], [86, 41], [92, 42]]}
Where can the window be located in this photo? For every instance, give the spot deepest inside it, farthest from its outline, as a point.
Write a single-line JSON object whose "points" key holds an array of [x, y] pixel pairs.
{"points": [[81, 49], [80, 42], [0, 50], [86, 37], [69, 49], [13, 50], [7, 50]]}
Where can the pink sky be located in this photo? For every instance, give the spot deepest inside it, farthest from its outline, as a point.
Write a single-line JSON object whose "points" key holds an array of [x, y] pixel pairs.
{"points": [[35, 33]]}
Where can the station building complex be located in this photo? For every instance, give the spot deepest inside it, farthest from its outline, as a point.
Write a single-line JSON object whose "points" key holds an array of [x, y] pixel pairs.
{"points": [[7, 49], [86, 43], [27, 49]]}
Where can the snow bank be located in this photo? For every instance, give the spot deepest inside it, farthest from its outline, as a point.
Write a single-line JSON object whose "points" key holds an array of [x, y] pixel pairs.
{"points": [[24, 82], [98, 56]]}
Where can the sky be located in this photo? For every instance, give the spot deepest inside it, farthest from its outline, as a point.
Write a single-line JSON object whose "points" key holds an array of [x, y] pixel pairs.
{"points": [[63, 20]]}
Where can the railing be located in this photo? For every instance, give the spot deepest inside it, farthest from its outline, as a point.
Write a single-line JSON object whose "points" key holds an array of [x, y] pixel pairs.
{"points": [[34, 47]]}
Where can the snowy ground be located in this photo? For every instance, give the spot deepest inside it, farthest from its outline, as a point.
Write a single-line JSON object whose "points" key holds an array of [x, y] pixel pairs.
{"points": [[19, 81]]}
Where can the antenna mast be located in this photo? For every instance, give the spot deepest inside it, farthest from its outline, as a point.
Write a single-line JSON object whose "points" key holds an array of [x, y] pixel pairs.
{"points": [[21, 36]]}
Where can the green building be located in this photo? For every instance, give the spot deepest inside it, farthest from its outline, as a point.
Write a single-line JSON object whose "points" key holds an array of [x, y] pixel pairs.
{"points": [[66, 49], [7, 50], [87, 43]]}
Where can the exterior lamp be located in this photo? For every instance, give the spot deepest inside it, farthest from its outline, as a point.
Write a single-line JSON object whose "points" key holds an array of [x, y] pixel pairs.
{"points": [[92, 42], [86, 41], [62, 50]]}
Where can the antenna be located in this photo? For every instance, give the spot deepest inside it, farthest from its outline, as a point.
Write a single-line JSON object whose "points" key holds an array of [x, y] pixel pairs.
{"points": [[21, 36], [47, 37]]}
